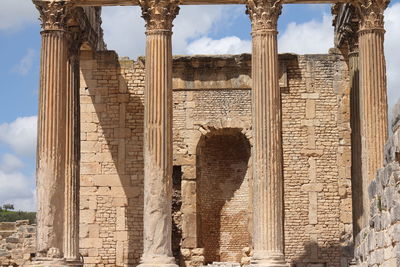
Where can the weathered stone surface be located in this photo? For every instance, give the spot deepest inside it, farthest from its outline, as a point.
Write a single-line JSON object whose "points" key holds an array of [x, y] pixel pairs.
{"points": [[382, 237]]}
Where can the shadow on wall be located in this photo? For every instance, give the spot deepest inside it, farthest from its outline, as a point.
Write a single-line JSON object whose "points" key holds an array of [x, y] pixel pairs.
{"points": [[223, 195], [313, 251], [112, 160]]}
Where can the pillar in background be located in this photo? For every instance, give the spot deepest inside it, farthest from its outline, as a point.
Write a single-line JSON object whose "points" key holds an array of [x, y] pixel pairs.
{"points": [[58, 141], [268, 238], [356, 170], [72, 150], [158, 15], [373, 95]]}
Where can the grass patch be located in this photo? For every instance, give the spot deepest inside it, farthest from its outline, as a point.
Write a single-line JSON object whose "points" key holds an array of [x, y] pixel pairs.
{"points": [[12, 216]]}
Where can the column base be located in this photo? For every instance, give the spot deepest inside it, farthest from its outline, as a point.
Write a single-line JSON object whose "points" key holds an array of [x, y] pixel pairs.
{"points": [[158, 265], [158, 261], [269, 264], [267, 259]]}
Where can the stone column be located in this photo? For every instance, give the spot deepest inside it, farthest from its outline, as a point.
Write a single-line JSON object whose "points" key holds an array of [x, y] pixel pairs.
{"points": [[158, 15], [268, 243], [58, 144], [72, 153], [373, 95], [356, 177]]}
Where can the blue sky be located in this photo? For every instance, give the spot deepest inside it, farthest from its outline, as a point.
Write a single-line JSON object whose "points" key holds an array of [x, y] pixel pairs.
{"points": [[198, 30]]}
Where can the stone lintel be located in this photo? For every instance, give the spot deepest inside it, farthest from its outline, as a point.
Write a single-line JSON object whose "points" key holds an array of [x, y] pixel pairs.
{"points": [[194, 2]]}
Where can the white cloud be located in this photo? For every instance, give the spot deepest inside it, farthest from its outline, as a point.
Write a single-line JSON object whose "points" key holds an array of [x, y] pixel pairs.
{"points": [[20, 135], [227, 45], [392, 44], [312, 37], [14, 14], [16, 188], [124, 29], [10, 163], [197, 22], [25, 64]]}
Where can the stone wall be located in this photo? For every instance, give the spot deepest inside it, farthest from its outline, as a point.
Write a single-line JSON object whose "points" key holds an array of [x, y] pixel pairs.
{"points": [[212, 99], [379, 243], [17, 243]]}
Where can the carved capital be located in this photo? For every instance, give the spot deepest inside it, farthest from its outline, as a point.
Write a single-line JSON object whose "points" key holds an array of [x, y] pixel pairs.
{"points": [[353, 43], [75, 40], [53, 15], [371, 13], [159, 14], [264, 14]]}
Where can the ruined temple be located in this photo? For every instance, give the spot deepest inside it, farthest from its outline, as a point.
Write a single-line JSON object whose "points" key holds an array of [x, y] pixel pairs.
{"points": [[260, 159]]}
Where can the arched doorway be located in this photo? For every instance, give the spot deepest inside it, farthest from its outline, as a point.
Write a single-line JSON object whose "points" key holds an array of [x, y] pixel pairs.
{"points": [[223, 194]]}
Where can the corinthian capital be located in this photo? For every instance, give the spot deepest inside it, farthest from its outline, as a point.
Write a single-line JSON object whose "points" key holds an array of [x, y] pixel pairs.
{"points": [[159, 14], [53, 14], [371, 13], [264, 14]]}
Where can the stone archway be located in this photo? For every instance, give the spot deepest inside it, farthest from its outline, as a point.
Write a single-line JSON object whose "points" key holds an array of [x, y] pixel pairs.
{"points": [[223, 194]]}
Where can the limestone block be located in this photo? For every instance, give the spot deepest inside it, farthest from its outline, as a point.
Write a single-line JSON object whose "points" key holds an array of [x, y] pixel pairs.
{"points": [[120, 202], [372, 189], [123, 98], [91, 243], [346, 217], [93, 230], [395, 233], [388, 198], [92, 136], [371, 241], [93, 252], [93, 108], [198, 251], [120, 224], [189, 172], [110, 180], [387, 254], [83, 230], [311, 152], [391, 262], [310, 95], [310, 122], [395, 213], [120, 253], [188, 190], [88, 127], [380, 239], [122, 133], [189, 231], [90, 146], [312, 187], [90, 168], [87, 216], [184, 159], [310, 108], [121, 235]]}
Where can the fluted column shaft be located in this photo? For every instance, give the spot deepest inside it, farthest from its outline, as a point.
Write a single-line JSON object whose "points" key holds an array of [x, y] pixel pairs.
{"points": [[72, 153], [356, 172], [158, 133], [51, 136], [58, 140], [268, 239], [373, 93]]}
